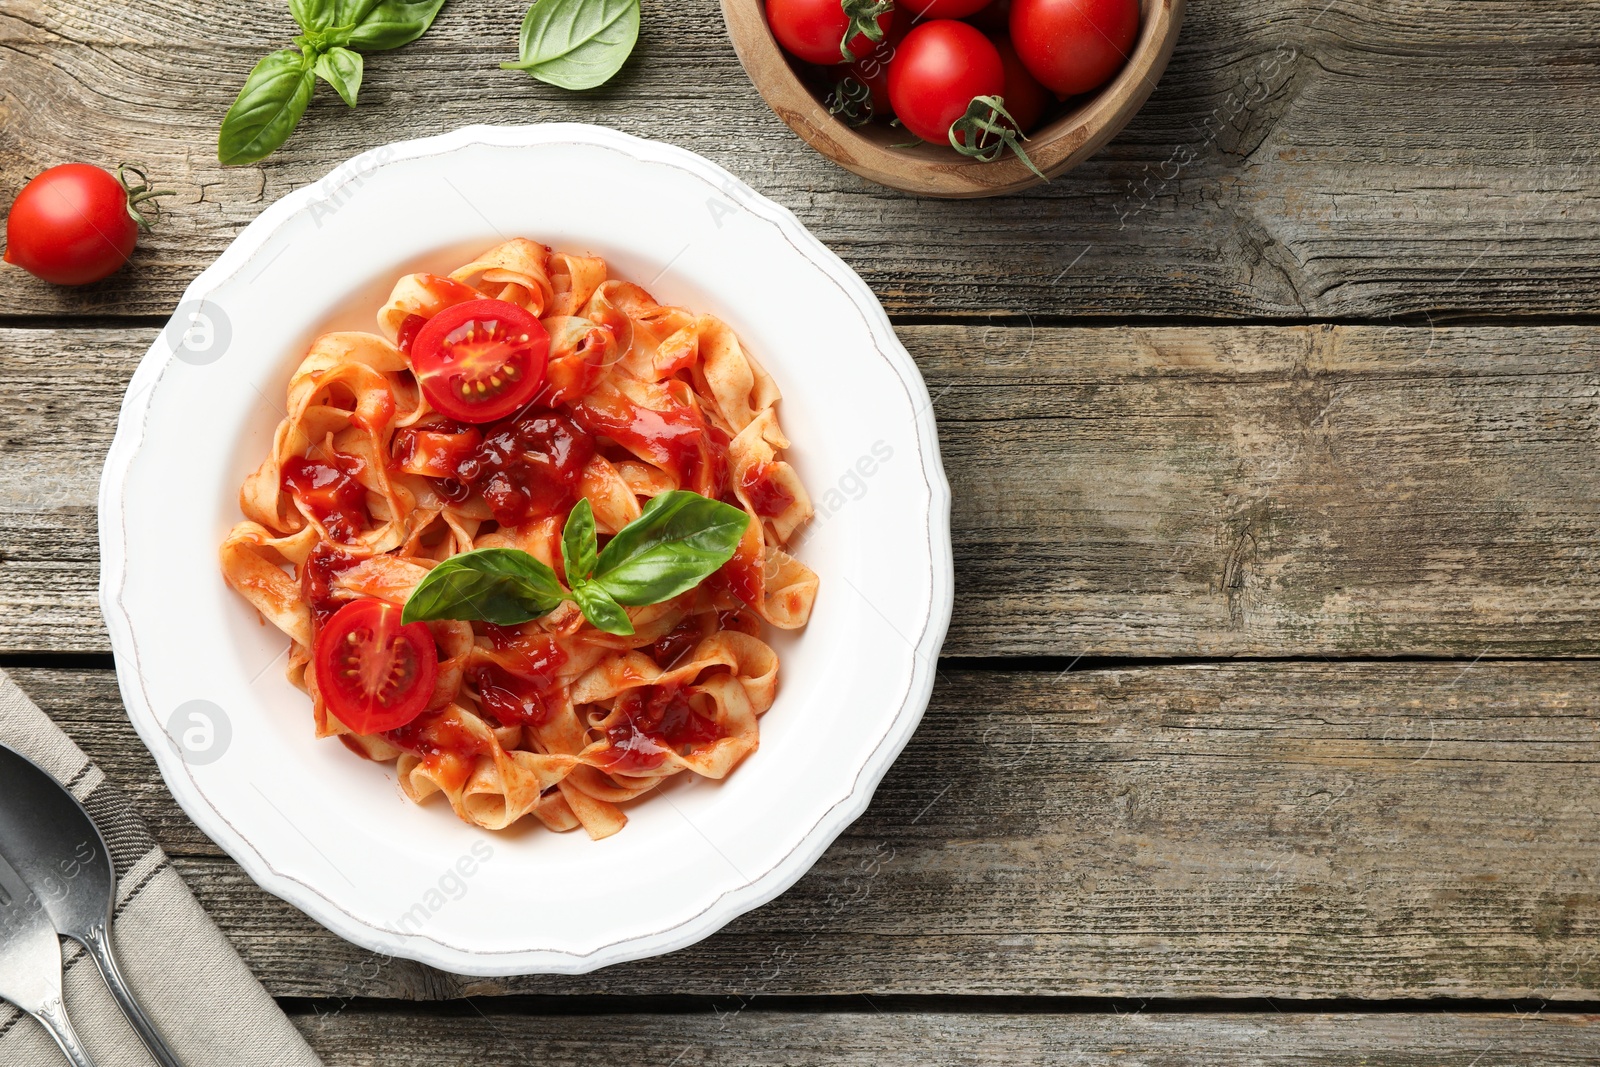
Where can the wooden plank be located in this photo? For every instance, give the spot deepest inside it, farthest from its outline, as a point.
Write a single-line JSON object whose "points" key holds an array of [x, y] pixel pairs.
{"points": [[1300, 830], [1300, 159], [755, 1038], [1350, 491]]}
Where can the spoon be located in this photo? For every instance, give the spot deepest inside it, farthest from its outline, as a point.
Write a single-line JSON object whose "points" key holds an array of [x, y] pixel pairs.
{"points": [[59, 851], [30, 963]]}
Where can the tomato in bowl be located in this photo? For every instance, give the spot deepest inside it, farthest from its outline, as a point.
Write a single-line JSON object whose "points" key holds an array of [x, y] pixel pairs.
{"points": [[1068, 131]]}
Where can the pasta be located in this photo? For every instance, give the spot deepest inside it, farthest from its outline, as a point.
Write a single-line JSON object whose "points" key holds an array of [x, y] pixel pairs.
{"points": [[369, 485]]}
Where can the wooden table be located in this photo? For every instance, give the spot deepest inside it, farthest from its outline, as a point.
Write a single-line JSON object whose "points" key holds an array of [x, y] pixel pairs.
{"points": [[1269, 723]]}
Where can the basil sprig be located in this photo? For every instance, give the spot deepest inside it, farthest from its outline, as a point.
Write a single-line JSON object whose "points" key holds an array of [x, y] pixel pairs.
{"points": [[679, 540], [577, 44], [335, 33]]}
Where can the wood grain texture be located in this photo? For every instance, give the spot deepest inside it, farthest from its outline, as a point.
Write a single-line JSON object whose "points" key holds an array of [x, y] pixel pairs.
{"points": [[752, 1038], [1350, 491], [1300, 159], [1297, 830]]}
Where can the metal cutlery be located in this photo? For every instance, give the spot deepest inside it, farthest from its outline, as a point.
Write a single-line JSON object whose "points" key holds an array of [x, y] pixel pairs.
{"points": [[58, 850], [30, 962]]}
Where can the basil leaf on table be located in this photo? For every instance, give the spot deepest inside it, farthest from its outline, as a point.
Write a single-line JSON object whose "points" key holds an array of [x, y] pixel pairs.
{"points": [[505, 586], [382, 25], [277, 92], [268, 107], [598, 607], [313, 15], [577, 44], [578, 543], [681, 539], [341, 68]]}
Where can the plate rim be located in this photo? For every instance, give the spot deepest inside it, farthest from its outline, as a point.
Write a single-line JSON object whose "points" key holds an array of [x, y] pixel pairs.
{"points": [[756, 891]]}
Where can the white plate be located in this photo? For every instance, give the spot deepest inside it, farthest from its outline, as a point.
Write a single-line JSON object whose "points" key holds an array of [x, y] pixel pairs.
{"points": [[202, 678]]}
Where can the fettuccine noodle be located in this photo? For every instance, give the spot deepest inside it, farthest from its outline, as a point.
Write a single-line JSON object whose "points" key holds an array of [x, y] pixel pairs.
{"points": [[554, 718]]}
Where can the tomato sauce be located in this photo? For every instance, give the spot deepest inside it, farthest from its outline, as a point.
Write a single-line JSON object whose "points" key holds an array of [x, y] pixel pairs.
{"points": [[435, 451], [656, 719], [330, 492], [529, 467], [444, 744], [514, 689], [508, 699], [316, 581], [535, 656], [374, 412], [447, 290], [676, 643], [742, 574], [676, 439], [407, 334], [765, 495]]}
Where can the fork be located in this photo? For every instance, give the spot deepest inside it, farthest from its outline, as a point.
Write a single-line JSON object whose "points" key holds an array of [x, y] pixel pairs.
{"points": [[30, 963]]}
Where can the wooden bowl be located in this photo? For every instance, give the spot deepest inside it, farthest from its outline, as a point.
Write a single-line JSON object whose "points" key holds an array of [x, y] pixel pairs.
{"points": [[938, 170]]}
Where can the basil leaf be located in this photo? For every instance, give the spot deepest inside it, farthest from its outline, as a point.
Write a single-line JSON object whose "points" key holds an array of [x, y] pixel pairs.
{"points": [[578, 543], [679, 541], [505, 586], [268, 107], [598, 607], [341, 68], [313, 15], [378, 25], [577, 44]]}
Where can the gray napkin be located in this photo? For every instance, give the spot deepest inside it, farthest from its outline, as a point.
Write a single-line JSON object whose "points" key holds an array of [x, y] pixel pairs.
{"points": [[191, 982]]}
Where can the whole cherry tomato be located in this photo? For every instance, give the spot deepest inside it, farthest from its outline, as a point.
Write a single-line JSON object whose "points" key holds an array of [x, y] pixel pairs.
{"points": [[829, 31], [1073, 46], [861, 93], [75, 224], [937, 71], [1025, 98]]}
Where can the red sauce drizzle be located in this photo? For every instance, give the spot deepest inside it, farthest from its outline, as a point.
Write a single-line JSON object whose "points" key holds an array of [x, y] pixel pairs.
{"points": [[407, 333], [536, 656], [514, 689], [508, 699], [676, 643], [447, 748], [765, 495], [529, 467], [435, 451], [330, 492], [316, 581], [656, 719], [677, 439], [742, 574], [447, 291]]}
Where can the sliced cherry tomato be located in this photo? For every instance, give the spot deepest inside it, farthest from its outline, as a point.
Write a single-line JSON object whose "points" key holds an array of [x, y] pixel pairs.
{"points": [[815, 30], [75, 223], [940, 67], [374, 673], [481, 360], [1073, 46], [1025, 98]]}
